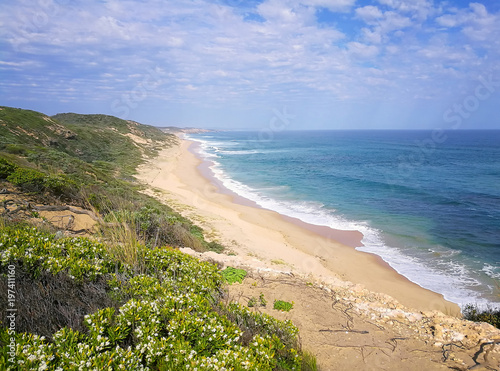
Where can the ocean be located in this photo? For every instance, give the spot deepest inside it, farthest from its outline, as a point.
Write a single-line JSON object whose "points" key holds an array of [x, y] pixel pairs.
{"points": [[427, 202]]}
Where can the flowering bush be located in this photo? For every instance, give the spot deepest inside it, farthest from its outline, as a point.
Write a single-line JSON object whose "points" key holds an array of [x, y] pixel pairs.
{"points": [[171, 317], [79, 257]]}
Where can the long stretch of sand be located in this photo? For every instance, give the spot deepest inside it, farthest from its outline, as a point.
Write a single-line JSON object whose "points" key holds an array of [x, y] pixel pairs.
{"points": [[183, 180]]}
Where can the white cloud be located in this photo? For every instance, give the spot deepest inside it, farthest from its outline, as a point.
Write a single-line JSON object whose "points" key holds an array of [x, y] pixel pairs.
{"points": [[369, 13], [333, 5], [475, 22], [372, 36], [449, 20], [394, 21], [362, 50], [419, 9], [20, 64], [206, 50], [278, 11]]}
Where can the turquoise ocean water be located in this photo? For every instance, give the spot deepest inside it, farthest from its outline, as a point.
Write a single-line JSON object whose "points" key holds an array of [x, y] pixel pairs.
{"points": [[427, 202]]}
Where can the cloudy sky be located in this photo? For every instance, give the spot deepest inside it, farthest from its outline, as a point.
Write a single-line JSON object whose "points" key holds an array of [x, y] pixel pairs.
{"points": [[333, 64]]}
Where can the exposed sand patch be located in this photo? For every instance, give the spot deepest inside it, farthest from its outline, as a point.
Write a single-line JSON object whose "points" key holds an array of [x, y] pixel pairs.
{"points": [[137, 139]]}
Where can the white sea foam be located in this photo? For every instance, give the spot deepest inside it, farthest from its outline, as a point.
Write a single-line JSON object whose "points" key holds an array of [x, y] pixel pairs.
{"points": [[491, 271], [450, 278]]}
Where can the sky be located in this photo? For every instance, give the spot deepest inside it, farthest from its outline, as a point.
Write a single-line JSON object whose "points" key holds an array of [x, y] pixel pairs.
{"points": [[235, 64]]}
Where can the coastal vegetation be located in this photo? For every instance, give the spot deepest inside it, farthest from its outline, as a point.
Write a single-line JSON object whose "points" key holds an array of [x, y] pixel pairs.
{"points": [[167, 312], [232, 275], [486, 314], [283, 305], [119, 295]]}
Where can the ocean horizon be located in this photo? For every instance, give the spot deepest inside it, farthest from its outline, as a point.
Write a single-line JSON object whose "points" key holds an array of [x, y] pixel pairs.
{"points": [[427, 202]]}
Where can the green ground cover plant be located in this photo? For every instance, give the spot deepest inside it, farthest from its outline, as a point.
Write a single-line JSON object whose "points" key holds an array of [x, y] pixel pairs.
{"points": [[283, 305], [253, 302], [232, 275], [169, 317]]}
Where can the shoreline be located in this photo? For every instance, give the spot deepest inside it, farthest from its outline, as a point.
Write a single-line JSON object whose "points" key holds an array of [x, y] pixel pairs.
{"points": [[274, 240], [348, 238]]}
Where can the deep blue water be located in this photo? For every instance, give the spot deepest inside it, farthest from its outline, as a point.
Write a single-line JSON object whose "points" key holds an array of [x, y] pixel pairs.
{"points": [[427, 202]]}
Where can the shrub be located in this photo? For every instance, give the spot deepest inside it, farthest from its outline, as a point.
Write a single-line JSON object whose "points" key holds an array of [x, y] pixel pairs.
{"points": [[60, 185], [171, 319], [27, 178], [490, 315], [263, 301], [215, 246], [257, 324], [309, 362], [6, 168], [252, 302], [16, 149]]}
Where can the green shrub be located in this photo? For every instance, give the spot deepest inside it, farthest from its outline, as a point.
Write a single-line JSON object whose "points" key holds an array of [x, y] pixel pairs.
{"points": [[232, 275], [99, 202], [26, 178], [6, 168], [16, 149], [252, 302], [79, 257], [169, 321], [262, 300], [215, 246], [489, 315], [283, 305], [60, 185], [309, 362], [256, 324]]}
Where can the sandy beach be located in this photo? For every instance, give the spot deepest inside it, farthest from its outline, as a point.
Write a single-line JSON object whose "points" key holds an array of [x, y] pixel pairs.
{"points": [[268, 240]]}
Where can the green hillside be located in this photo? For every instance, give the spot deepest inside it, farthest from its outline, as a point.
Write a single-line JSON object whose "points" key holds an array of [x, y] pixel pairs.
{"points": [[88, 161], [99, 139]]}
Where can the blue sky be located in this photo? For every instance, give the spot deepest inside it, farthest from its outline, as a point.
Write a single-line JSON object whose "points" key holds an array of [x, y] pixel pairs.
{"points": [[329, 64]]}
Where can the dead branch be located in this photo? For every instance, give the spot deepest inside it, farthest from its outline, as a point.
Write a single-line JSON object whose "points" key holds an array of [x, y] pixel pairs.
{"points": [[7, 202], [352, 331], [61, 218], [486, 354], [363, 347], [349, 317], [394, 342], [380, 327], [446, 352]]}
